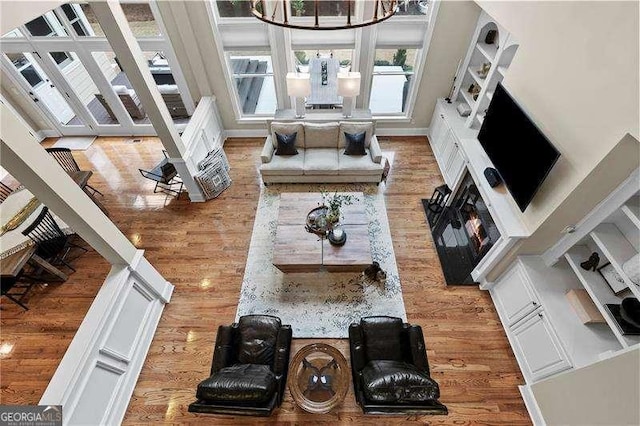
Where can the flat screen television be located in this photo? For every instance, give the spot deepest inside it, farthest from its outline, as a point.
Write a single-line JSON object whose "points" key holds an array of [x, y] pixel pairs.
{"points": [[520, 152]]}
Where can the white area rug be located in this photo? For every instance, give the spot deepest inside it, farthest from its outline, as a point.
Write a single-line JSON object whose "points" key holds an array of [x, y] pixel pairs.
{"points": [[75, 143], [322, 304]]}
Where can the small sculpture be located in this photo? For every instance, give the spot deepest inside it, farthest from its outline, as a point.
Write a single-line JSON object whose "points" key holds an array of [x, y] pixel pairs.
{"points": [[484, 70], [592, 262], [375, 273]]}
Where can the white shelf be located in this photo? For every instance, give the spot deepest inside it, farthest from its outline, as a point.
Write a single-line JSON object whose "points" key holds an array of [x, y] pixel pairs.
{"points": [[480, 118], [583, 342], [467, 97], [489, 94], [502, 70], [488, 50], [632, 210], [475, 76], [617, 249], [599, 290]]}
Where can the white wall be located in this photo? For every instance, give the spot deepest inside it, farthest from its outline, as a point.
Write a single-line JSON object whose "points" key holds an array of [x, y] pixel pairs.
{"points": [[12, 14], [576, 74], [604, 393]]}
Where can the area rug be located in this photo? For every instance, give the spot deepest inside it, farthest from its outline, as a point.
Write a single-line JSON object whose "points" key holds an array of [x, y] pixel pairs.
{"points": [[320, 304], [75, 143]]}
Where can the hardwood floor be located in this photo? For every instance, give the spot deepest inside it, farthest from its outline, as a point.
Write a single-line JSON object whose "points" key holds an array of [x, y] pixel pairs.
{"points": [[202, 249]]}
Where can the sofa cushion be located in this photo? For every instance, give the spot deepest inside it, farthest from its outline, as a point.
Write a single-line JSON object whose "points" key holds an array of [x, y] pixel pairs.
{"points": [[321, 135], [355, 127], [239, 383], [383, 337], [258, 334], [397, 382], [286, 144], [355, 144], [321, 161], [357, 164], [289, 165], [287, 129]]}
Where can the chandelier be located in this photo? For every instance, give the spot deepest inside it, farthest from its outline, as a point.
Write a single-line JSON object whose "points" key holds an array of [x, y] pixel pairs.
{"points": [[276, 12]]}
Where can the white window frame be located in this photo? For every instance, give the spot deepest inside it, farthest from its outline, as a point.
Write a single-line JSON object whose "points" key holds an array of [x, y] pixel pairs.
{"points": [[409, 102]]}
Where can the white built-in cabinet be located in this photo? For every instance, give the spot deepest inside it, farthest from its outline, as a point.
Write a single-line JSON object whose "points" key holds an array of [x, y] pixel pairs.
{"points": [[498, 55], [543, 328], [446, 147]]}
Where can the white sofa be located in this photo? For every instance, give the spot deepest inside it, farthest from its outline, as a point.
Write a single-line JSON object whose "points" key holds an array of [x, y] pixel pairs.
{"points": [[321, 157]]}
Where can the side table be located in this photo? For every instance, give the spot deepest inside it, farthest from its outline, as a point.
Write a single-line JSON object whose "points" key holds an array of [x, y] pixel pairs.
{"points": [[319, 378]]}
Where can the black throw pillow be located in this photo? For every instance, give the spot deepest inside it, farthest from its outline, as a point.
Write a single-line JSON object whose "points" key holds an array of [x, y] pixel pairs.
{"points": [[355, 143], [286, 144]]}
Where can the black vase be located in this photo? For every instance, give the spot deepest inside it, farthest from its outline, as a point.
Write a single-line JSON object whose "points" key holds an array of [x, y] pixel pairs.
{"points": [[591, 263]]}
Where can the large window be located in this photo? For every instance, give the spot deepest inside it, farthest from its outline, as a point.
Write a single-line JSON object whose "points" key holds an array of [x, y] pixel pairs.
{"points": [[392, 78], [253, 81], [75, 20], [24, 67], [302, 57], [46, 25], [234, 8]]}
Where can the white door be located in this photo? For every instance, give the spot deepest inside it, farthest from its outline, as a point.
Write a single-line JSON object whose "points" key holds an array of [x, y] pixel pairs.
{"points": [[537, 347], [27, 73]]}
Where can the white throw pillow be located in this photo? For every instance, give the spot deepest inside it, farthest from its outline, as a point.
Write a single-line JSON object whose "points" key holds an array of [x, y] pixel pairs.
{"points": [[121, 89], [168, 88]]}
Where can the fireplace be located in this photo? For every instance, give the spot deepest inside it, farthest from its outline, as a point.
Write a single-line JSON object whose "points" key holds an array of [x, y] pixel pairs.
{"points": [[464, 233]]}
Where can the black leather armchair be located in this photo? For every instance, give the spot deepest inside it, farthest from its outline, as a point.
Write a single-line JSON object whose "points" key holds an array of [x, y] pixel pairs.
{"points": [[390, 368], [249, 369]]}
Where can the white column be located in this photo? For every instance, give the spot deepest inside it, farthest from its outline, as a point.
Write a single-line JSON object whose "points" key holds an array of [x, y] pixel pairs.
{"points": [[126, 47], [113, 340]]}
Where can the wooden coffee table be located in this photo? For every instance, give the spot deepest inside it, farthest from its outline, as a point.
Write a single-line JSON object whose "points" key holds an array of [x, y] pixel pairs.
{"points": [[296, 250]]}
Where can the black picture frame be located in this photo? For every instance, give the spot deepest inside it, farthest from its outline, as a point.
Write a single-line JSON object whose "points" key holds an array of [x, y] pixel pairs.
{"points": [[613, 279]]}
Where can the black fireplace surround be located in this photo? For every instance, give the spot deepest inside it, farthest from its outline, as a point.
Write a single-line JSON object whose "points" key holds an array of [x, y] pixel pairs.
{"points": [[463, 233]]}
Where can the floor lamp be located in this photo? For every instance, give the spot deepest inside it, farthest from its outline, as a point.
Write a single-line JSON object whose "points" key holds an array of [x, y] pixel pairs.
{"points": [[298, 86], [348, 88]]}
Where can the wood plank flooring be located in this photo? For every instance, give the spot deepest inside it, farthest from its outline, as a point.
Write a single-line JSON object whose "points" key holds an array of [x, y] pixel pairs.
{"points": [[202, 250]]}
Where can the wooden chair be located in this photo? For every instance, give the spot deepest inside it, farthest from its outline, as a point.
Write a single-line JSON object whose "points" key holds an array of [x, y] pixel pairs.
{"points": [[53, 245], [165, 175], [64, 157], [17, 288], [5, 191]]}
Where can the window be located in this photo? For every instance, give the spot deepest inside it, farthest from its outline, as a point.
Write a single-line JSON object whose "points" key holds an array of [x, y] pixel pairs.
{"points": [[234, 9], [325, 8], [24, 67], [61, 58], [416, 7], [92, 20], [252, 74], [345, 56], [141, 19], [46, 25], [76, 22], [392, 76]]}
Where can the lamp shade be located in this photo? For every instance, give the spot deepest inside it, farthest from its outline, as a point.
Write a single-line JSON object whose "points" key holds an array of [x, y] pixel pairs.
{"points": [[298, 85], [349, 84]]}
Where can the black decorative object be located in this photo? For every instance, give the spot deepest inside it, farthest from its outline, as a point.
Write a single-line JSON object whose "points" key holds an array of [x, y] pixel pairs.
{"points": [[355, 143], [490, 38], [374, 272], [324, 74], [492, 176], [613, 279], [630, 311], [286, 144], [437, 203], [591, 263], [625, 327], [337, 236]]}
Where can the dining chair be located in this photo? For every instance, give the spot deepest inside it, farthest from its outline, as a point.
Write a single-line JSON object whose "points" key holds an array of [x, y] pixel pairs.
{"points": [[16, 288], [64, 157], [53, 245], [5, 191]]}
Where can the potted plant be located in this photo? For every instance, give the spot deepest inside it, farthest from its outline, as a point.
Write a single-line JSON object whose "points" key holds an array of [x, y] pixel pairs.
{"points": [[298, 7], [334, 203]]}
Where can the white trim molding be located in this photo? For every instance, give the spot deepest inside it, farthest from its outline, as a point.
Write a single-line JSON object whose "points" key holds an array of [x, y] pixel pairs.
{"points": [[96, 377]]}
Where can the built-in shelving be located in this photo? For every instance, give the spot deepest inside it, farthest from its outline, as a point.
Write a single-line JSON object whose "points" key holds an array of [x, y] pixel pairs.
{"points": [[617, 249], [498, 55], [632, 210], [600, 292]]}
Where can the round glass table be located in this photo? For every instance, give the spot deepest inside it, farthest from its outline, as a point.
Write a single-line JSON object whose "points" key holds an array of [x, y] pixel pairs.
{"points": [[319, 378]]}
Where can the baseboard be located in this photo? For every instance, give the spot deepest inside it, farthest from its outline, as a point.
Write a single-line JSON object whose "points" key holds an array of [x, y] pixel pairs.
{"points": [[407, 131], [245, 133], [532, 405], [43, 134]]}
